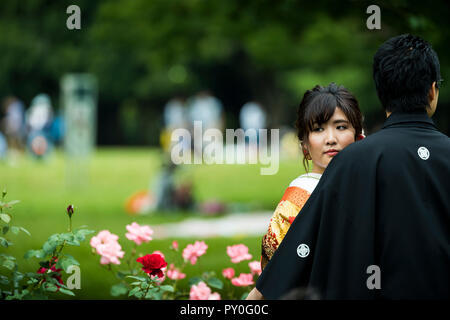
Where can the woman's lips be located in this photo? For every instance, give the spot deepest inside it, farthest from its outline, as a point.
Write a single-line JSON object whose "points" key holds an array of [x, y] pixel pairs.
{"points": [[332, 153]]}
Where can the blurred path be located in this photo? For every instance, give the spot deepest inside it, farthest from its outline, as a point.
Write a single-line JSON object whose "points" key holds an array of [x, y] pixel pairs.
{"points": [[236, 224]]}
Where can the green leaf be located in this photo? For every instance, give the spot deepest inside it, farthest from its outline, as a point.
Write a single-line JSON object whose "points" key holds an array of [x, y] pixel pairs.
{"points": [[7, 256], [67, 236], [122, 274], [5, 229], [32, 281], [166, 288], [154, 294], [17, 276], [4, 280], [118, 290], [215, 283], [25, 230], [137, 278], [11, 203], [34, 253], [9, 264], [66, 261], [15, 230], [194, 280], [49, 246], [81, 234], [50, 287], [5, 217], [134, 291], [4, 243], [66, 291], [244, 296]]}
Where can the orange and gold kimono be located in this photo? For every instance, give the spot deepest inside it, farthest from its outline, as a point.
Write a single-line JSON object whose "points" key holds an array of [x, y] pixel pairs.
{"points": [[289, 206]]}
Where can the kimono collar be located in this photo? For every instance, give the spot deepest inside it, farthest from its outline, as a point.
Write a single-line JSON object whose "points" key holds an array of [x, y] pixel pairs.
{"points": [[414, 118]]}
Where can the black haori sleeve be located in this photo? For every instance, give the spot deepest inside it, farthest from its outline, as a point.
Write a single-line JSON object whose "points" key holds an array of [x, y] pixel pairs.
{"points": [[331, 243]]}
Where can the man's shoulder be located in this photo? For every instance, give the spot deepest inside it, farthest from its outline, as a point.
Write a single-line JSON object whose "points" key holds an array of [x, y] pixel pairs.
{"points": [[365, 147], [388, 145]]}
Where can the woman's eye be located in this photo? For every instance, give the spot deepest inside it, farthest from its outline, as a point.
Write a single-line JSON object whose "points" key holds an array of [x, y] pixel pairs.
{"points": [[318, 129], [342, 127]]}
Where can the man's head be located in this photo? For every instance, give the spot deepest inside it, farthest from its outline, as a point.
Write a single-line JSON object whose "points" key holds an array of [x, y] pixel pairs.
{"points": [[407, 75]]}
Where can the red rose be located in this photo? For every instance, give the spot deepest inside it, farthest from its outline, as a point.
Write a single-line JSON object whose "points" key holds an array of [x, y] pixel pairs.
{"points": [[57, 276], [153, 263]]}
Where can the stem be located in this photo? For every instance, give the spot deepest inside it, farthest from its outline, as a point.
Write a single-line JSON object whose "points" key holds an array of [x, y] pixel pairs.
{"points": [[59, 251], [146, 291], [176, 281], [133, 252]]}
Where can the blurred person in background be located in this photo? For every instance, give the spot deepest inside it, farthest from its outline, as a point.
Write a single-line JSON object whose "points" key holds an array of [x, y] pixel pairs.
{"points": [[252, 116], [39, 119], [207, 109], [175, 117], [3, 147], [13, 124]]}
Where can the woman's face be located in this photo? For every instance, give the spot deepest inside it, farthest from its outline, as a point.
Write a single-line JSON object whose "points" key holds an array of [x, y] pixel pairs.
{"points": [[327, 139]]}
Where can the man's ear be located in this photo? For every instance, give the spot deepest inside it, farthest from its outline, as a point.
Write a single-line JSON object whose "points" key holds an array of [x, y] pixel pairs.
{"points": [[432, 92]]}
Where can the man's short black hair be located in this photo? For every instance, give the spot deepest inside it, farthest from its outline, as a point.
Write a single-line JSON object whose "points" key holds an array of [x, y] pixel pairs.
{"points": [[404, 68]]}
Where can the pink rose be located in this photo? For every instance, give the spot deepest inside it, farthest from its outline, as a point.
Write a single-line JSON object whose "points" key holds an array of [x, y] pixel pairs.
{"points": [[255, 267], [193, 251], [174, 273], [110, 252], [139, 234], [202, 292], [214, 296], [103, 237], [238, 253], [228, 273], [106, 245], [245, 279]]}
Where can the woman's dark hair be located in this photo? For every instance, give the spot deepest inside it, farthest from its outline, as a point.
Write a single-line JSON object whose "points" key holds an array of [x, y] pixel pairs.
{"points": [[318, 106], [404, 68]]}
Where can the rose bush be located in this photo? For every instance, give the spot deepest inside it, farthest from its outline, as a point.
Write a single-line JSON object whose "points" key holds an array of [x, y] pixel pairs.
{"points": [[154, 278], [141, 276], [48, 278]]}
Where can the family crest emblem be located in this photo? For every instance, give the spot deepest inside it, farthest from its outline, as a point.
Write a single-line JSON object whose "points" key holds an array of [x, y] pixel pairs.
{"points": [[303, 250], [423, 153]]}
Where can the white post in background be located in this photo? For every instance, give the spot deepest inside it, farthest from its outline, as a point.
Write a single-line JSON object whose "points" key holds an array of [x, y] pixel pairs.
{"points": [[79, 100]]}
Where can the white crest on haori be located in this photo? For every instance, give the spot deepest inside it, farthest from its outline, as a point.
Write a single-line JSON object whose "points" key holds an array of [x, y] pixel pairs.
{"points": [[423, 153], [303, 250]]}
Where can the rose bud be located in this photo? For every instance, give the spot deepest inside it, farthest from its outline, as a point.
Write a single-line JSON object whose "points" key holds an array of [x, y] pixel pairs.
{"points": [[70, 210]]}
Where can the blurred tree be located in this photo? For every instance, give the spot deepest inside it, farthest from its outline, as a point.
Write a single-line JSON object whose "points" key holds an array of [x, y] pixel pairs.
{"points": [[146, 52]]}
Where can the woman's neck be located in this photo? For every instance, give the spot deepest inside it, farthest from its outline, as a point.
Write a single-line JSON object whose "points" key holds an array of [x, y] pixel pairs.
{"points": [[318, 170]]}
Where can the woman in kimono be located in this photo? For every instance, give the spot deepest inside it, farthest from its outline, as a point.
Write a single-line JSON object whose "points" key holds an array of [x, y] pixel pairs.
{"points": [[328, 120]]}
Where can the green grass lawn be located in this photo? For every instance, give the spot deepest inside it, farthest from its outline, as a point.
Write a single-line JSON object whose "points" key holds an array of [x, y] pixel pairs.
{"points": [[46, 188]]}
